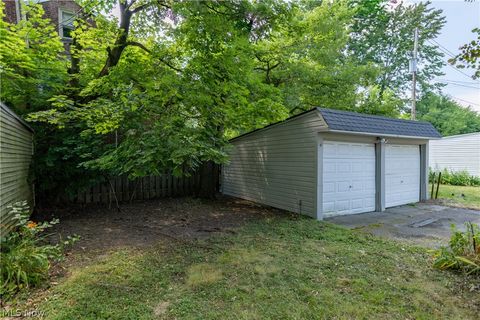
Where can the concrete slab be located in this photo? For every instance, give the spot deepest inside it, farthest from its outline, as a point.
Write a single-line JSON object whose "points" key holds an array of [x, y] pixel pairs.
{"points": [[420, 224]]}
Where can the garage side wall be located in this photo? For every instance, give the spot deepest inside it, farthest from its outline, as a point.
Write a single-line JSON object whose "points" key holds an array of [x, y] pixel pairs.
{"points": [[456, 154], [16, 148], [277, 166]]}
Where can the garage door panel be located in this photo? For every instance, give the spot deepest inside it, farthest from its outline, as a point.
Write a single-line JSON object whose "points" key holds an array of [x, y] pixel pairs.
{"points": [[343, 186], [329, 166], [329, 150], [342, 205], [358, 185], [350, 187], [328, 206], [344, 167], [402, 174], [370, 184], [328, 187]]}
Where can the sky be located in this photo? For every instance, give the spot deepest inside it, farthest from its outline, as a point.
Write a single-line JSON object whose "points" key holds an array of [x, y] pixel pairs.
{"points": [[462, 17]]}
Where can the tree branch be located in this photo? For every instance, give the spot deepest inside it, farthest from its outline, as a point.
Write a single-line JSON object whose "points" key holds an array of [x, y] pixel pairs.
{"points": [[138, 44], [141, 7], [146, 5], [129, 5], [168, 64]]}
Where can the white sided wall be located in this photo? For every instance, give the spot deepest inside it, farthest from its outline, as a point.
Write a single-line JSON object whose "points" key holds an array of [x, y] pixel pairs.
{"points": [[277, 166], [456, 153]]}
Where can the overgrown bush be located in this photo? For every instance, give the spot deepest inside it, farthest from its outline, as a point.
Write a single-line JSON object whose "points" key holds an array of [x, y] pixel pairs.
{"points": [[24, 254], [463, 251], [455, 178]]}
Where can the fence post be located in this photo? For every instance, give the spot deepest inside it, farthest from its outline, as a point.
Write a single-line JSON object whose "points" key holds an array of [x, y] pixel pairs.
{"points": [[438, 184]]}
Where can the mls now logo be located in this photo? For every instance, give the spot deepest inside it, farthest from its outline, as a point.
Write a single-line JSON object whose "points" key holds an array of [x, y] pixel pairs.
{"points": [[22, 314]]}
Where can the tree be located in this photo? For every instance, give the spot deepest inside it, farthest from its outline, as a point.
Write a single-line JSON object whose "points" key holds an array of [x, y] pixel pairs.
{"points": [[32, 61], [447, 116], [383, 35], [306, 58], [470, 55], [166, 100]]}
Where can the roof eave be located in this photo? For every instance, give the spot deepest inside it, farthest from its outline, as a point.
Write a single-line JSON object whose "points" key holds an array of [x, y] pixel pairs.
{"points": [[373, 134]]}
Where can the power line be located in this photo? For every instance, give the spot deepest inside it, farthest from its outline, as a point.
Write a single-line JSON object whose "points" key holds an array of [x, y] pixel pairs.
{"points": [[461, 85], [444, 48], [458, 70], [460, 81], [466, 101], [448, 53]]}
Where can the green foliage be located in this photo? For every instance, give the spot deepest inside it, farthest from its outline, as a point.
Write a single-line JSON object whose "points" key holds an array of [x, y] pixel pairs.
{"points": [[457, 178], [167, 105], [382, 34], [32, 60], [307, 61], [469, 56], [454, 178], [462, 253], [55, 164], [447, 116], [25, 258], [375, 101]]}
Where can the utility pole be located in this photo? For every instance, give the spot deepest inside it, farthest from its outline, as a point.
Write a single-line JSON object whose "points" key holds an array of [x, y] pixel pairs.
{"points": [[413, 69]]}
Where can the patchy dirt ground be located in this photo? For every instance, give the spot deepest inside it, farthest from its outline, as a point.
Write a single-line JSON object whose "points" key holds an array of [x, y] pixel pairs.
{"points": [[148, 222]]}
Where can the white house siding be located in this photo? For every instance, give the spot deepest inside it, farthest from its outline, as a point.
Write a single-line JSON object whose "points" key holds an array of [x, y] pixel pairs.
{"points": [[277, 166], [456, 153], [16, 148]]}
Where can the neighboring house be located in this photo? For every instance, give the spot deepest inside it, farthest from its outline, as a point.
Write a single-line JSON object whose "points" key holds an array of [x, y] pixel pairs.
{"points": [[327, 162], [16, 150], [61, 13], [457, 153]]}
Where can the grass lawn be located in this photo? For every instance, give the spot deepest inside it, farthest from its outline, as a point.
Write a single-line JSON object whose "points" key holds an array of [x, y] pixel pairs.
{"points": [[282, 267], [452, 195]]}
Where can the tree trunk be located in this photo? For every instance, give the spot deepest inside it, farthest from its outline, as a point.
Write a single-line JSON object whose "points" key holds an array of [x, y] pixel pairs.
{"points": [[121, 41]]}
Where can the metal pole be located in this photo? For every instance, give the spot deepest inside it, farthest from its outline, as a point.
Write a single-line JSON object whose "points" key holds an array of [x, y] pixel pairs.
{"points": [[414, 74]]}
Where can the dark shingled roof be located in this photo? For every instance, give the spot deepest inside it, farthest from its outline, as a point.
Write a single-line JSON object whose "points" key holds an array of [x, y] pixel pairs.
{"points": [[359, 122]]}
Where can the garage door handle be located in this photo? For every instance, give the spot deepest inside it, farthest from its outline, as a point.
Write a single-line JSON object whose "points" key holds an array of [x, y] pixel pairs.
{"points": [[350, 187], [401, 181]]}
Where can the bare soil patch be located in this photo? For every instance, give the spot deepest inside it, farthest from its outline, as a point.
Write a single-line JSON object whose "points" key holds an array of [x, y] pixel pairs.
{"points": [[146, 223]]}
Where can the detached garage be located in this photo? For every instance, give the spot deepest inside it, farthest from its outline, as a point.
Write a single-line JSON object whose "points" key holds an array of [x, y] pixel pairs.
{"points": [[327, 162]]}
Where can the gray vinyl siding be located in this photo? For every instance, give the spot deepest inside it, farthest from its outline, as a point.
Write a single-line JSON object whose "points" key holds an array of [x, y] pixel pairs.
{"points": [[456, 153], [16, 148], [277, 166]]}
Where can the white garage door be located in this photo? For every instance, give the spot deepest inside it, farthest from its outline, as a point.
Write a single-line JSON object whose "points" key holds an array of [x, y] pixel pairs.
{"points": [[402, 174], [348, 178]]}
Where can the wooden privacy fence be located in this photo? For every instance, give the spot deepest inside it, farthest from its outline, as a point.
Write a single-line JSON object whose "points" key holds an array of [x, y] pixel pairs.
{"points": [[122, 189]]}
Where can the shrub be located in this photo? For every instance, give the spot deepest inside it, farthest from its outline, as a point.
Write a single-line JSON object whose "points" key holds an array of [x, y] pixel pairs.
{"points": [[463, 251], [25, 256], [455, 178]]}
